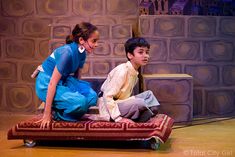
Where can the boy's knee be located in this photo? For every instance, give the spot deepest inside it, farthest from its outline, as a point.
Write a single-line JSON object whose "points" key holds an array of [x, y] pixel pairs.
{"points": [[149, 92], [140, 101]]}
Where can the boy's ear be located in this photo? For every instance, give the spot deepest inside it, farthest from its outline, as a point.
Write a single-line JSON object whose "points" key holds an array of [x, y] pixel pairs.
{"points": [[129, 55], [81, 41]]}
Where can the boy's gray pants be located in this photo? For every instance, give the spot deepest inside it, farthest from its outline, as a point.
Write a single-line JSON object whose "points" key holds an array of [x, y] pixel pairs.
{"points": [[139, 108]]}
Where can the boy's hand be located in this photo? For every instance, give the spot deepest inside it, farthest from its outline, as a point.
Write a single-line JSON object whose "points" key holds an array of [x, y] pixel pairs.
{"points": [[125, 120]]}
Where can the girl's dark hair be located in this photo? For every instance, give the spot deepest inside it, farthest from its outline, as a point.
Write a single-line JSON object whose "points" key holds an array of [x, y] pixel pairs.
{"points": [[132, 43], [83, 30]]}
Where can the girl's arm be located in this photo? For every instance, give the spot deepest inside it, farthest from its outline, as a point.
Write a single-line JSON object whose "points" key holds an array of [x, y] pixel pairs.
{"points": [[45, 121]]}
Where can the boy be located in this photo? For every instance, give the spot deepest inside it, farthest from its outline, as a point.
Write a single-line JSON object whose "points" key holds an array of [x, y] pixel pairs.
{"points": [[115, 101]]}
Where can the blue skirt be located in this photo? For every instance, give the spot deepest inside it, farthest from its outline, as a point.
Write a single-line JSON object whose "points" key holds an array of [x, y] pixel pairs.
{"points": [[72, 99]]}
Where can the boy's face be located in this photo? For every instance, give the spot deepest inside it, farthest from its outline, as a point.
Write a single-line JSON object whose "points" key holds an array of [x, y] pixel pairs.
{"points": [[140, 56]]}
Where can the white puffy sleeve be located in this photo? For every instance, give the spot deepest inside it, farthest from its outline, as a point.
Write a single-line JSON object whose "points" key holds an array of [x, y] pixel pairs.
{"points": [[111, 88]]}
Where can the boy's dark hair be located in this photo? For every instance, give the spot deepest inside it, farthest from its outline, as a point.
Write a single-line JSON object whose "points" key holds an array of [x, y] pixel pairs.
{"points": [[132, 43], [83, 30]]}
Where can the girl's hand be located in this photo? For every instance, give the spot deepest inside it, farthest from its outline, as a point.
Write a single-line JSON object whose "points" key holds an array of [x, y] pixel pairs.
{"points": [[125, 120], [45, 121]]}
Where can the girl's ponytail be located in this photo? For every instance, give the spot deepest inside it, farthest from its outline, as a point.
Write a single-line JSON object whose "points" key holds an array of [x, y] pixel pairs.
{"points": [[69, 39], [83, 30]]}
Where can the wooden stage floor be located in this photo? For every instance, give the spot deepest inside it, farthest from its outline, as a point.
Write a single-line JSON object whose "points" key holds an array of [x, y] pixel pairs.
{"points": [[205, 138]]}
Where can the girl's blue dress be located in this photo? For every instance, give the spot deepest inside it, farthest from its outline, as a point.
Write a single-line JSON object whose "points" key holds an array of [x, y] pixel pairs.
{"points": [[73, 97]]}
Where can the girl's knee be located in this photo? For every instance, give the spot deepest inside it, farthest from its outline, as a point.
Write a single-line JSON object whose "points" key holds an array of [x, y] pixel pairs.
{"points": [[92, 98], [73, 99], [81, 100], [93, 93], [80, 105]]}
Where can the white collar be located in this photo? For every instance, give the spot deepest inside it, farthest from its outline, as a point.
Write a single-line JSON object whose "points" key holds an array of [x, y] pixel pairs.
{"points": [[131, 68]]}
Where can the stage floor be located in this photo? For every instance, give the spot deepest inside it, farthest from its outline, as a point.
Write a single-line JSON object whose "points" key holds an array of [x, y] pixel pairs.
{"points": [[207, 137]]}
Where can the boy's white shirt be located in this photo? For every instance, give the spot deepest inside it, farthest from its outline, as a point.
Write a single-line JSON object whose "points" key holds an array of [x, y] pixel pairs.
{"points": [[118, 85]]}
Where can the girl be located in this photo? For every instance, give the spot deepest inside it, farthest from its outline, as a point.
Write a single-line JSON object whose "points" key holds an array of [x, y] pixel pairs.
{"points": [[66, 97]]}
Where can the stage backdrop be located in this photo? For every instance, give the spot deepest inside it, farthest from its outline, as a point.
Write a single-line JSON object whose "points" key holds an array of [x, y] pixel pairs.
{"points": [[202, 46]]}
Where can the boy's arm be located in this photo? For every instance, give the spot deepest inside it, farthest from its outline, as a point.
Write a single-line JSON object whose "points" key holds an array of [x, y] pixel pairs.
{"points": [[112, 88]]}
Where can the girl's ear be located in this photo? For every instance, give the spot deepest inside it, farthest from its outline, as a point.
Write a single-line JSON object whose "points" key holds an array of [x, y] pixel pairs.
{"points": [[129, 55], [81, 41]]}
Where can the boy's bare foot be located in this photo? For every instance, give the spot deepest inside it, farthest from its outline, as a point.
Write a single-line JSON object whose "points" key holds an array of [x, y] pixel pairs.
{"points": [[126, 120]]}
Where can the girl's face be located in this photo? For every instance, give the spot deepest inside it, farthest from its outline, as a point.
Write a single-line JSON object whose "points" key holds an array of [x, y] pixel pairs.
{"points": [[92, 42]]}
